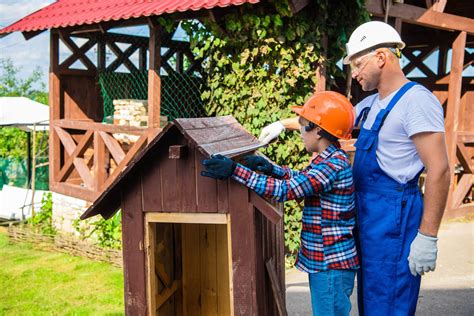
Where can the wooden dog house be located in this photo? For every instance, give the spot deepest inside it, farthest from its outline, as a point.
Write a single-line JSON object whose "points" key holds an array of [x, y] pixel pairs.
{"points": [[194, 245]]}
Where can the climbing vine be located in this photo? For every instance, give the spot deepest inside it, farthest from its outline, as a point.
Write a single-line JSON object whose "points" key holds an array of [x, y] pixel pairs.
{"points": [[261, 59]]}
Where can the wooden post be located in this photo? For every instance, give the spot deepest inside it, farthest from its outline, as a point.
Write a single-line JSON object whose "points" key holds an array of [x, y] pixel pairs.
{"points": [[453, 106], [101, 53], [99, 162], [154, 80], [33, 174], [54, 108]]}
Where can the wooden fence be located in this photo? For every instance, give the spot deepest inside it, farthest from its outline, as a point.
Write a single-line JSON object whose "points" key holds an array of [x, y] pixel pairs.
{"points": [[65, 244]]}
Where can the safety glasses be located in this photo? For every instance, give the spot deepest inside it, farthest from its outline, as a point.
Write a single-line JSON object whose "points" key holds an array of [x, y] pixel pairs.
{"points": [[307, 128], [358, 64]]}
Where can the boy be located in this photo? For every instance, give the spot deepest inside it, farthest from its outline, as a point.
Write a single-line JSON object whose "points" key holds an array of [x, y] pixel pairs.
{"points": [[327, 251]]}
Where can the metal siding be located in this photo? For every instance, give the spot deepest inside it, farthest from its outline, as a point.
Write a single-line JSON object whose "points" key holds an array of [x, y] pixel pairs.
{"points": [[79, 12]]}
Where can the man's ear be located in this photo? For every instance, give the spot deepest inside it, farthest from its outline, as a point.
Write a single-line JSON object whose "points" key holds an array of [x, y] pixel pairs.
{"points": [[381, 58]]}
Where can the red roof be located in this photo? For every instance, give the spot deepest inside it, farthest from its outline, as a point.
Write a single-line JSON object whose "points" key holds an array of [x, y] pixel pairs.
{"points": [[65, 13]]}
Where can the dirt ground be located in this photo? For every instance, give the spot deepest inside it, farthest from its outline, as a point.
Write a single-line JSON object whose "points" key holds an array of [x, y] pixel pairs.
{"points": [[447, 291]]}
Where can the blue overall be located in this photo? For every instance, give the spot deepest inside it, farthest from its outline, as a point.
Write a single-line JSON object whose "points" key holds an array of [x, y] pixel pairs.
{"points": [[388, 217]]}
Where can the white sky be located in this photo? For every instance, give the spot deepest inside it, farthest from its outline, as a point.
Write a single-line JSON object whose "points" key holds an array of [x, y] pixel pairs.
{"points": [[25, 54]]}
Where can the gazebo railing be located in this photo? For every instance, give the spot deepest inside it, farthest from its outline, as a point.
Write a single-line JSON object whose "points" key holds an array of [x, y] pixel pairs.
{"points": [[89, 156]]}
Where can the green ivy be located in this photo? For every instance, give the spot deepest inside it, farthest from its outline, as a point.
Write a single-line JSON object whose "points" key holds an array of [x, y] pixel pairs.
{"points": [[261, 59], [107, 233], [43, 219]]}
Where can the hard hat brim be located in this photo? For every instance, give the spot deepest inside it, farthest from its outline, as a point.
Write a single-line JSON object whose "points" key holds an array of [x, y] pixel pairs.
{"points": [[297, 109]]}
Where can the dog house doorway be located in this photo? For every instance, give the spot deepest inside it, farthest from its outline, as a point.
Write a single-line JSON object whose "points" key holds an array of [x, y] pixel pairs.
{"points": [[188, 259]]}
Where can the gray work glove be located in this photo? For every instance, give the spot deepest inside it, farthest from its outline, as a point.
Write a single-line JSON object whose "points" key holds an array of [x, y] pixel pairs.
{"points": [[270, 132], [423, 253]]}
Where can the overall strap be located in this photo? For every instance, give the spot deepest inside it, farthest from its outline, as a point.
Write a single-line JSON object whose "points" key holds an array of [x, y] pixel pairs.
{"points": [[362, 116], [382, 115]]}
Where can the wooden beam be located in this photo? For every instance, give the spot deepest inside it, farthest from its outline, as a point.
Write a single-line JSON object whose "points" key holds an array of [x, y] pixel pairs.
{"points": [[190, 218], [113, 146], [421, 16], [79, 163], [398, 25], [100, 164], [150, 244], [454, 104], [276, 289], [154, 80], [166, 294], [462, 188], [30, 35], [271, 212], [464, 158], [79, 150], [54, 106], [73, 190], [140, 143], [77, 53], [439, 5], [122, 57], [107, 128]]}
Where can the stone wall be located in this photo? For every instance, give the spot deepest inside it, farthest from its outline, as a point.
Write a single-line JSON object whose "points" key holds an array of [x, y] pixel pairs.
{"points": [[66, 210]]}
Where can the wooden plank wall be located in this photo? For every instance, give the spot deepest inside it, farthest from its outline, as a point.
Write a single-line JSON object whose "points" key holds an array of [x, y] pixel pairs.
{"points": [[268, 244], [243, 250], [133, 234], [176, 185], [82, 98], [206, 278]]}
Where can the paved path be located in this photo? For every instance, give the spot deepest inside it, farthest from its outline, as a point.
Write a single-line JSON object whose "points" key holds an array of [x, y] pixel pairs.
{"points": [[447, 291]]}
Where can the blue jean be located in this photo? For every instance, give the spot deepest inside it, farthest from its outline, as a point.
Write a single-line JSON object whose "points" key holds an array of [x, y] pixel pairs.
{"points": [[331, 291]]}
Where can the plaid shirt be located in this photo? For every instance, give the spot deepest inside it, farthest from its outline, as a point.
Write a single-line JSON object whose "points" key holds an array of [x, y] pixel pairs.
{"points": [[326, 185]]}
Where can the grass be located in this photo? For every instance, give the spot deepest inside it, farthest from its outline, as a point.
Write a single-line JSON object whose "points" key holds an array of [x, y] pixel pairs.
{"points": [[34, 282]]}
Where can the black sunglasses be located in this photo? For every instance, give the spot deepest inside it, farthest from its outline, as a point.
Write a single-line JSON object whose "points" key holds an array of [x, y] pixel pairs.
{"points": [[309, 127]]}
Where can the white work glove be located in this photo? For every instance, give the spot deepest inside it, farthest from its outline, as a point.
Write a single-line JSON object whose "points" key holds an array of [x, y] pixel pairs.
{"points": [[423, 253], [270, 132]]}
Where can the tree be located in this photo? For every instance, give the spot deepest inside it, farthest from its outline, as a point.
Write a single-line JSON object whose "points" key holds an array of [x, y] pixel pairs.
{"points": [[12, 86]]}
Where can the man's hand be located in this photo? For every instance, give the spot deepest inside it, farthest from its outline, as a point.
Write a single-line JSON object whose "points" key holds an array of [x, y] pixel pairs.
{"points": [[270, 132], [423, 253], [258, 163], [218, 167]]}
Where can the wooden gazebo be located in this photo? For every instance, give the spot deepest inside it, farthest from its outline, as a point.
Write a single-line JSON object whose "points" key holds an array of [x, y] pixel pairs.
{"points": [[84, 155]]}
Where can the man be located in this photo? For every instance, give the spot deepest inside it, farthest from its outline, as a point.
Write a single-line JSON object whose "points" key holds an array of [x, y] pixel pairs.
{"points": [[402, 133]]}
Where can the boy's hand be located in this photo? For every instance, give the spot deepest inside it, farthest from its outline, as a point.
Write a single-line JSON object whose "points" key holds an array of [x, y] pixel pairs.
{"points": [[218, 167], [258, 163]]}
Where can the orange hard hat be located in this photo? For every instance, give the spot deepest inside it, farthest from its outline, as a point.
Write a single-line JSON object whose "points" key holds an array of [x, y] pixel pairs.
{"points": [[331, 111]]}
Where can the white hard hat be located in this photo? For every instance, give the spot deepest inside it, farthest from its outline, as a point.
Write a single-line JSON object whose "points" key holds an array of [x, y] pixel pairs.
{"points": [[371, 34]]}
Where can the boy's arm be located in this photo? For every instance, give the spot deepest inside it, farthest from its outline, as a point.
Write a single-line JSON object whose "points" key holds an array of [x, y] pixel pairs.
{"points": [[304, 184], [281, 172]]}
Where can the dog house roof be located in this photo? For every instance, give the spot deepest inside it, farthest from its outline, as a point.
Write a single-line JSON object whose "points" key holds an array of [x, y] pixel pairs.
{"points": [[208, 135]]}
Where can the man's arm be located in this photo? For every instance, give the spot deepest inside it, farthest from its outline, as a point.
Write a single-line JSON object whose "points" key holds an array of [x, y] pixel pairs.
{"points": [[431, 148], [291, 123], [271, 132]]}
